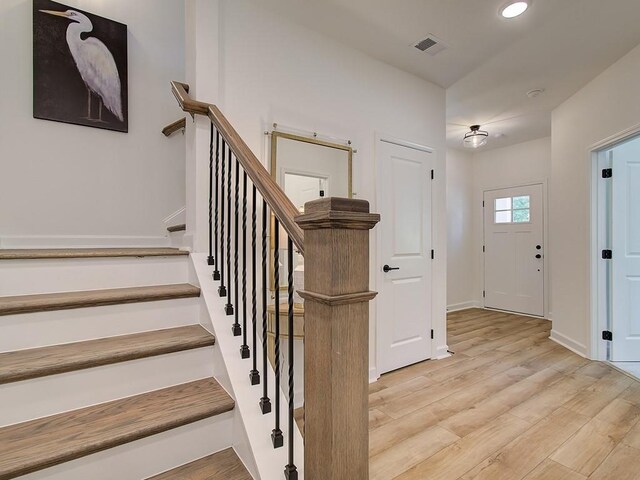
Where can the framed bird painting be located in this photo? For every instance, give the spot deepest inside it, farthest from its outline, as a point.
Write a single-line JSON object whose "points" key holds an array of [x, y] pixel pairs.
{"points": [[79, 67]]}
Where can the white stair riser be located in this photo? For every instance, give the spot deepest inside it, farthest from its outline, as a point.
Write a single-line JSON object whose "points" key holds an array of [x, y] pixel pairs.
{"points": [[149, 456], [44, 396], [40, 329], [177, 239], [24, 277]]}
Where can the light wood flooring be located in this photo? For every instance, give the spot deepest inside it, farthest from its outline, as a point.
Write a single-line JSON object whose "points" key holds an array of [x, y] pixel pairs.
{"points": [[509, 405]]}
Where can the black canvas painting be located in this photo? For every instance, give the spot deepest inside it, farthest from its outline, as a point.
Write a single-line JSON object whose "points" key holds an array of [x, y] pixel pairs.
{"points": [[79, 67]]}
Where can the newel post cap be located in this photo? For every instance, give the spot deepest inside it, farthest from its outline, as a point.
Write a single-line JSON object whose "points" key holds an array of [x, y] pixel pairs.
{"points": [[337, 213]]}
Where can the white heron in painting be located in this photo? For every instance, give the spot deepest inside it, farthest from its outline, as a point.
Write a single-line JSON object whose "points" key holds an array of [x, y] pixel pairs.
{"points": [[95, 63]]}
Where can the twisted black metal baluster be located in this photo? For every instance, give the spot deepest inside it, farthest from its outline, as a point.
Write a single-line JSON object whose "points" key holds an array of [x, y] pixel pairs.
{"points": [[265, 402], [228, 309], [210, 259], [276, 433], [216, 272], [290, 471], [222, 291], [237, 330], [244, 349], [254, 375]]}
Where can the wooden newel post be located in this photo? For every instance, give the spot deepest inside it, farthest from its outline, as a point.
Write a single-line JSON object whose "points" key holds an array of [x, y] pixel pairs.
{"points": [[336, 346]]}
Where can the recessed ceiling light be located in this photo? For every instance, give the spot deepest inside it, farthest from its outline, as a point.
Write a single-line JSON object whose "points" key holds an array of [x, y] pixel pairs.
{"points": [[514, 9]]}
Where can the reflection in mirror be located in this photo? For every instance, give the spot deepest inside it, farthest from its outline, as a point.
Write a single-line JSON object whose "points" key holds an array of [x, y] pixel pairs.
{"points": [[307, 169]]}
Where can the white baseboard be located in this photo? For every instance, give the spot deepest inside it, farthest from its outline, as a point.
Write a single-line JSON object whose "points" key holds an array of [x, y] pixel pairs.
{"points": [[80, 241], [566, 342], [463, 306], [373, 375], [442, 352]]}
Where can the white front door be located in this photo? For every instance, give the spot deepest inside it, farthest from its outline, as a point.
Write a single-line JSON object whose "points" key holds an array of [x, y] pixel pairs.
{"points": [[514, 249], [404, 299], [625, 245]]}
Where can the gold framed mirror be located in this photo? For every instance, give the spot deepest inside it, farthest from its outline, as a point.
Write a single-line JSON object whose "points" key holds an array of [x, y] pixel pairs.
{"points": [[306, 168]]}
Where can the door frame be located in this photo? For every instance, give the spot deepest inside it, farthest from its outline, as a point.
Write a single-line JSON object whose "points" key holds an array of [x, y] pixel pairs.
{"points": [[599, 308], [545, 236], [376, 272]]}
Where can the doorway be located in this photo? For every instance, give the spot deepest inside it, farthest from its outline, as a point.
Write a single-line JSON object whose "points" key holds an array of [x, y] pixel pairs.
{"points": [[618, 249], [404, 299], [514, 249]]}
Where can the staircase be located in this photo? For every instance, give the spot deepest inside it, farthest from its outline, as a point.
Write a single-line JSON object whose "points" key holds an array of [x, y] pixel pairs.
{"points": [[106, 369], [109, 368]]}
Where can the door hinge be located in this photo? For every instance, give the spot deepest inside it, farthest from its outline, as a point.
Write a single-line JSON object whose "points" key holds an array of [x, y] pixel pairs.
{"points": [[484, 294], [433, 175], [607, 254], [607, 172], [607, 335], [433, 254], [432, 334]]}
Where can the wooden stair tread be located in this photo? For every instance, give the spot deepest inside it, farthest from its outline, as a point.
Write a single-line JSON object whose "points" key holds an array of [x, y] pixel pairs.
{"points": [[224, 465], [45, 442], [39, 362], [34, 254], [93, 298], [177, 228]]}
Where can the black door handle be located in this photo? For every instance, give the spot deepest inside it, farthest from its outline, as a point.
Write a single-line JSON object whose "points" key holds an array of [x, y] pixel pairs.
{"points": [[538, 256], [387, 268]]}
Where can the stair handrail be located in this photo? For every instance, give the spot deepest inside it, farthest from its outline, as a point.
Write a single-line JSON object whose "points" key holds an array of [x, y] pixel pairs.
{"points": [[275, 197], [174, 127]]}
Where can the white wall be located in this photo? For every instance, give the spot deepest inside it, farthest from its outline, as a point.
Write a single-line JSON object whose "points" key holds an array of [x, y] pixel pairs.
{"points": [[461, 253], [62, 181], [608, 105], [469, 175], [271, 70]]}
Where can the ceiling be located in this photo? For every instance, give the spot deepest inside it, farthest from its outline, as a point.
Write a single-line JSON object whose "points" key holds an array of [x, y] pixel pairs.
{"points": [[490, 62]]}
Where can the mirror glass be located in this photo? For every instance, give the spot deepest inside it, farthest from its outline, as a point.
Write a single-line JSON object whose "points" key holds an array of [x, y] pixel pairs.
{"points": [[306, 169]]}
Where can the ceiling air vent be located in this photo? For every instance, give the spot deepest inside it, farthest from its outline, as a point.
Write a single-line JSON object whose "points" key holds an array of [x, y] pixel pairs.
{"points": [[431, 45]]}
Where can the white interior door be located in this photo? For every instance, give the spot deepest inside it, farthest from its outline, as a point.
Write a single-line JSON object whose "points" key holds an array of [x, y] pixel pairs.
{"points": [[514, 249], [404, 299], [625, 243]]}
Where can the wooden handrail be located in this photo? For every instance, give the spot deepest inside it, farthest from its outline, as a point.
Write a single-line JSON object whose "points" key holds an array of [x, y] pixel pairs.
{"points": [[275, 197], [172, 128], [181, 92]]}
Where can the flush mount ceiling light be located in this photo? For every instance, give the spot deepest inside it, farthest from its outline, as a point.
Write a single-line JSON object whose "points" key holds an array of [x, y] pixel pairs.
{"points": [[475, 138], [514, 9]]}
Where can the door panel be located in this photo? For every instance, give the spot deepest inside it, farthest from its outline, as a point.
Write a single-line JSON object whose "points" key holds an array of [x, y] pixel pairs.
{"points": [[404, 300], [514, 250], [625, 239]]}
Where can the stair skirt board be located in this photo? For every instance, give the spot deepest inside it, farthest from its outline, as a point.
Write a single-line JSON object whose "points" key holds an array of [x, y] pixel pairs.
{"points": [[25, 276], [252, 445], [32, 330], [149, 456], [23, 401]]}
